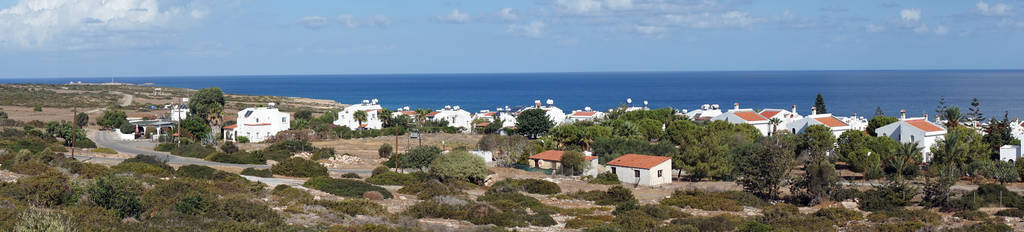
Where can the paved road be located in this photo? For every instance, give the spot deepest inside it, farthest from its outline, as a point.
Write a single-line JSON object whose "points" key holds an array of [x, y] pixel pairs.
{"points": [[109, 140]]}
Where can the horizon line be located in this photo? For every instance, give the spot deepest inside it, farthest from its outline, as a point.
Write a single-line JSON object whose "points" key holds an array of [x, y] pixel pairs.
{"points": [[501, 73]]}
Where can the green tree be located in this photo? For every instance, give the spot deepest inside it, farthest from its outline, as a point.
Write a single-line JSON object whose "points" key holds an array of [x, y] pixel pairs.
{"points": [[765, 169], [960, 147], [774, 122], [533, 123], [651, 129], [421, 115], [879, 121], [707, 158], [3, 115], [817, 141], [999, 133], [119, 194], [304, 114], [879, 112], [459, 165], [853, 149], [953, 116], [941, 108], [113, 119], [819, 180], [385, 118], [127, 128], [422, 156], [385, 150], [360, 116], [904, 161], [574, 163], [976, 115], [568, 135], [819, 104], [207, 104], [195, 127], [81, 120]]}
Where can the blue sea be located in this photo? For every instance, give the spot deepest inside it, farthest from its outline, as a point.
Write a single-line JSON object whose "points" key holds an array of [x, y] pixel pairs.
{"points": [[845, 92]]}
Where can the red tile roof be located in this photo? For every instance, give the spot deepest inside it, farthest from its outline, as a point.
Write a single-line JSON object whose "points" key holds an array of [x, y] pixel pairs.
{"points": [[431, 114], [231, 126], [704, 118], [831, 121], [408, 112], [750, 116], [489, 114], [584, 113], [638, 161], [258, 124], [362, 125], [553, 155], [770, 113], [924, 125], [482, 124]]}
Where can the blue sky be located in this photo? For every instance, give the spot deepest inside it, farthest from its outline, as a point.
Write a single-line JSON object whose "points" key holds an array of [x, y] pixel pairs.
{"points": [[69, 38]]}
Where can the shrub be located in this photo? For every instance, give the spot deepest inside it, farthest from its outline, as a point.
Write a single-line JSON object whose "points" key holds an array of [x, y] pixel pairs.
{"points": [[459, 165], [239, 209], [635, 220], [286, 195], [391, 178], [237, 158], [39, 220], [104, 150], [343, 187], [257, 172], [606, 178], [889, 196], [242, 139], [660, 212], [614, 196], [353, 207], [229, 147], [1011, 213], [117, 193], [972, 215], [431, 188], [726, 201], [779, 211], [904, 220], [86, 170], [30, 168], [165, 147], [986, 226], [298, 167], [47, 190], [581, 222], [37, 109], [351, 175], [379, 170], [140, 169], [722, 222], [193, 150], [385, 150], [193, 204], [204, 172], [839, 215], [534, 186], [151, 160]]}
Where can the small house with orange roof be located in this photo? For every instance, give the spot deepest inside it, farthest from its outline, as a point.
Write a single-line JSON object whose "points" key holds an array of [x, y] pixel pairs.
{"points": [[914, 130], [837, 125], [587, 114], [745, 116], [552, 159], [643, 170]]}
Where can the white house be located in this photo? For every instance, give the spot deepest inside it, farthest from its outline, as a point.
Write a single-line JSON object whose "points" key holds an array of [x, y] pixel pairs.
{"points": [[455, 116], [1010, 152], [914, 130], [705, 112], [347, 118], [642, 169], [784, 116], [554, 114], [837, 126], [178, 113], [258, 124], [586, 114], [552, 159], [857, 122], [745, 116]]}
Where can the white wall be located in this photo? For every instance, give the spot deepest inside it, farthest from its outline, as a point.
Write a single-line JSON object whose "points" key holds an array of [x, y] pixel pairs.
{"points": [[252, 127], [648, 177]]}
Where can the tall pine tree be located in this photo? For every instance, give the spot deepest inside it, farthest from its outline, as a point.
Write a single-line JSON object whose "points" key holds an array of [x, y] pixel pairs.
{"points": [[819, 104]]}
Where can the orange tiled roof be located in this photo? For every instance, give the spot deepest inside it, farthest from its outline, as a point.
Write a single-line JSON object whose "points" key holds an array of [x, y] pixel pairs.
{"points": [[770, 113], [749, 116], [489, 114], [638, 161], [432, 114], [482, 124], [831, 121], [584, 113], [553, 155], [258, 124], [408, 112], [231, 126], [924, 125]]}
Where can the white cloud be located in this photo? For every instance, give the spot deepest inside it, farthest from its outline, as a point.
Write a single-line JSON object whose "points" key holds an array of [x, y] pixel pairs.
{"points": [[921, 28], [348, 20], [910, 15], [455, 17], [993, 10], [579, 6], [508, 14], [619, 4], [379, 21], [941, 30], [90, 24], [533, 29], [312, 22], [654, 31], [375, 21], [709, 20], [873, 28]]}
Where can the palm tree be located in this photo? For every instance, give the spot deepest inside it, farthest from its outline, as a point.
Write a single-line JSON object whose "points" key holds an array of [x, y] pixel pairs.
{"points": [[906, 156], [384, 116], [421, 116], [360, 116], [775, 125], [953, 116]]}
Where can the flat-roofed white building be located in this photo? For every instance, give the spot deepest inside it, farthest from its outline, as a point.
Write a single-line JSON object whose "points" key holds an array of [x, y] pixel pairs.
{"points": [[914, 130], [587, 114], [455, 116], [643, 170], [704, 113], [745, 116], [347, 118], [258, 124]]}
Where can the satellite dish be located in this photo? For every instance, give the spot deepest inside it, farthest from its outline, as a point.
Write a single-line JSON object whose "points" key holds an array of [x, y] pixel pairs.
{"points": [[586, 108], [551, 102], [645, 102], [629, 100]]}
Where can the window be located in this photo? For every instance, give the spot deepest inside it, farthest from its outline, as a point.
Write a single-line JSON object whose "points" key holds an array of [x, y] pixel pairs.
{"points": [[284, 119], [636, 173], [613, 170], [257, 120], [659, 173]]}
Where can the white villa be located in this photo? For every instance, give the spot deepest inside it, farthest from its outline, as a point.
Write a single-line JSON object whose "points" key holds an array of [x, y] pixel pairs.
{"points": [[258, 124], [1010, 152], [911, 130], [178, 112], [745, 116], [642, 169], [455, 116], [784, 116], [347, 118], [858, 122], [705, 112], [554, 114], [837, 126], [587, 114]]}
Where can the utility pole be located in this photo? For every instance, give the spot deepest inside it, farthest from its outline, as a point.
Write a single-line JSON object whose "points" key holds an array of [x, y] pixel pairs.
{"points": [[74, 131], [395, 151]]}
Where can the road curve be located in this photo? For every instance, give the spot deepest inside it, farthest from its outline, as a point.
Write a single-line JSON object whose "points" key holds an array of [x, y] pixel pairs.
{"points": [[109, 140]]}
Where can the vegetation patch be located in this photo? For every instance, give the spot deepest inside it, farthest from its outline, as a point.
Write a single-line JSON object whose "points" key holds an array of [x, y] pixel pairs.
{"points": [[535, 186], [724, 201], [344, 187], [299, 167], [257, 172]]}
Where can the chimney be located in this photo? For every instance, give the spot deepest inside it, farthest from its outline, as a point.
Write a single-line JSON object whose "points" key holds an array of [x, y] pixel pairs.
{"points": [[903, 114], [814, 110], [736, 106], [854, 115], [536, 103], [794, 109], [926, 117]]}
